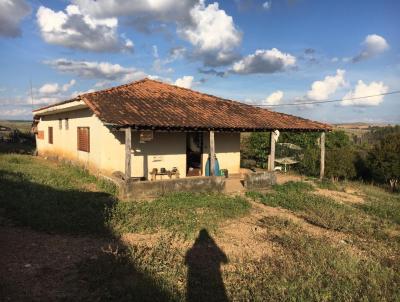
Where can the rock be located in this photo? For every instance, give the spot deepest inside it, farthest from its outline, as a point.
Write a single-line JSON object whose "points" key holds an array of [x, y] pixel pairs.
{"points": [[28, 265], [118, 174]]}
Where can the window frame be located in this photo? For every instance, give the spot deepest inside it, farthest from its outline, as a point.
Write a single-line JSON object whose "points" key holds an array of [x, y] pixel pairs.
{"points": [[50, 133], [79, 146]]}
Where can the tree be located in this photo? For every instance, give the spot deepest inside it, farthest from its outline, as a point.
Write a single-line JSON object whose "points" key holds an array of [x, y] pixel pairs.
{"points": [[383, 161]]}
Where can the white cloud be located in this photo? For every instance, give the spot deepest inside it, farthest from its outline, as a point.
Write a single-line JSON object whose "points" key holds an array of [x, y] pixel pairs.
{"points": [[76, 93], [11, 14], [97, 70], [55, 88], [274, 98], [67, 86], [362, 90], [49, 88], [185, 82], [213, 34], [373, 45], [79, 31], [321, 90], [267, 5], [147, 10], [264, 61], [208, 28]]}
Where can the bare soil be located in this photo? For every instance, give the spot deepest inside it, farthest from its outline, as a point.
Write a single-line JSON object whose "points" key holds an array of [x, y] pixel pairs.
{"points": [[36, 266], [43, 264], [350, 196]]}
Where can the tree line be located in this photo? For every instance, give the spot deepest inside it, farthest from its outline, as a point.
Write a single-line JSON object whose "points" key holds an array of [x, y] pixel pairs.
{"points": [[376, 159]]}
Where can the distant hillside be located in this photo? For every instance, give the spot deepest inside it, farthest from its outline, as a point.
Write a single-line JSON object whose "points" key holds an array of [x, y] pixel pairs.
{"points": [[21, 125], [360, 125]]}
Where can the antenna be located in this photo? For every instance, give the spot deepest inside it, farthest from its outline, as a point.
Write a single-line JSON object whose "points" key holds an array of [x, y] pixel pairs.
{"points": [[30, 82]]}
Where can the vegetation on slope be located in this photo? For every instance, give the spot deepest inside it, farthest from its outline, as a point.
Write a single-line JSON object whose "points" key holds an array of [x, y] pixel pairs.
{"points": [[303, 266]]}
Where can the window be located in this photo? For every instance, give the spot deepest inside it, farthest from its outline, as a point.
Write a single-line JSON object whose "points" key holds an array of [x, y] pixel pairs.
{"points": [[66, 124], [40, 134], [59, 124], [50, 135], [84, 139]]}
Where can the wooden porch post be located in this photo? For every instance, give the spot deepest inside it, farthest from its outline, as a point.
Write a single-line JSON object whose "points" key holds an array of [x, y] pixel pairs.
{"points": [[271, 157], [128, 136], [322, 164], [212, 154]]}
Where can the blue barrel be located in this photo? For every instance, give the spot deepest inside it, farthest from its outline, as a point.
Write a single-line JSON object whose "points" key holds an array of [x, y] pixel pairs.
{"points": [[216, 167]]}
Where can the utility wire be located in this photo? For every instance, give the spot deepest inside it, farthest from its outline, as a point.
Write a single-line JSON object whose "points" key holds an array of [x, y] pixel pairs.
{"points": [[328, 101]]}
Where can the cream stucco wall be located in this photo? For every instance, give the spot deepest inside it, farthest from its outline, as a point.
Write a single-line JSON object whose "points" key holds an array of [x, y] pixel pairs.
{"points": [[107, 149], [227, 149]]}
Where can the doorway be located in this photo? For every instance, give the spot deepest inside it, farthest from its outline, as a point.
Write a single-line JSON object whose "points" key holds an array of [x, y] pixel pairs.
{"points": [[194, 151]]}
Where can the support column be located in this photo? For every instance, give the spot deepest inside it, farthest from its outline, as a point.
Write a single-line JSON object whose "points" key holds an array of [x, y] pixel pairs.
{"points": [[128, 140], [271, 157], [322, 161], [212, 154]]}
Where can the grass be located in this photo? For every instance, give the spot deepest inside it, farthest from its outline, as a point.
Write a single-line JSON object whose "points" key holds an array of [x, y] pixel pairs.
{"points": [[53, 197], [381, 203], [323, 211], [63, 198], [181, 213], [308, 269], [301, 266]]}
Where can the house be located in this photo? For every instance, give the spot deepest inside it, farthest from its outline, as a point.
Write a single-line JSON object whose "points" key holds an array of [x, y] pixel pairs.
{"points": [[5, 133], [147, 125]]}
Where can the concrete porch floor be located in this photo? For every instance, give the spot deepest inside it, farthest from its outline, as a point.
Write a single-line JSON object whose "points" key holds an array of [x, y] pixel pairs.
{"points": [[234, 184]]}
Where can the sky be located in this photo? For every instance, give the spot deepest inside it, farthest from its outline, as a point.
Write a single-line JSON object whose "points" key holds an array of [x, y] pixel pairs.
{"points": [[268, 53]]}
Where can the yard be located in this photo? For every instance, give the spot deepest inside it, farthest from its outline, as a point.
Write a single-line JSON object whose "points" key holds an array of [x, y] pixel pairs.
{"points": [[65, 236]]}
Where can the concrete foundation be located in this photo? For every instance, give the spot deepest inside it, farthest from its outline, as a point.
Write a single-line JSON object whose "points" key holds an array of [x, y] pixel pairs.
{"points": [[134, 189], [259, 180]]}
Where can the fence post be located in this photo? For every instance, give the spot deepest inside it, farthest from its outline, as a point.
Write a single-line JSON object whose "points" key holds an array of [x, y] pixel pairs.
{"points": [[128, 136], [322, 161], [271, 157], [212, 154]]}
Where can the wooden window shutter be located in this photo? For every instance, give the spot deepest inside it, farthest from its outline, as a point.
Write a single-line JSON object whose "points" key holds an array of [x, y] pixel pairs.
{"points": [[50, 135], [83, 139]]}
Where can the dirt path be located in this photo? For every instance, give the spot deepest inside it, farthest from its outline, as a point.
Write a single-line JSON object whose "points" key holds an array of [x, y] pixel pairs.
{"points": [[244, 238], [341, 197], [36, 266]]}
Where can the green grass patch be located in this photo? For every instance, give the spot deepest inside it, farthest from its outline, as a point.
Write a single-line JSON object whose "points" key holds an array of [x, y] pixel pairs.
{"points": [[311, 269], [329, 185], [321, 211], [56, 197], [380, 203], [181, 213]]}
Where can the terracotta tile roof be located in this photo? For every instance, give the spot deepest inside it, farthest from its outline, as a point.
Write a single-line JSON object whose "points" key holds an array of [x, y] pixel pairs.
{"points": [[152, 104]]}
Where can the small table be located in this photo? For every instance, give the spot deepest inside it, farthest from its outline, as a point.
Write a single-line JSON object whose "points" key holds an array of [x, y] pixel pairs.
{"points": [[155, 173]]}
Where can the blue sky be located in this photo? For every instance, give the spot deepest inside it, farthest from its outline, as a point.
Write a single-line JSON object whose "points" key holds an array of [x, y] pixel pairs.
{"points": [[258, 52]]}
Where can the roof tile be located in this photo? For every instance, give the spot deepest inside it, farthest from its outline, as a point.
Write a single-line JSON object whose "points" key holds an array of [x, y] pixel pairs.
{"points": [[149, 103]]}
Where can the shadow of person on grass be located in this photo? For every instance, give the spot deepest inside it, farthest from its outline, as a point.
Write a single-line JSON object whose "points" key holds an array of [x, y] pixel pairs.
{"points": [[204, 279], [106, 274]]}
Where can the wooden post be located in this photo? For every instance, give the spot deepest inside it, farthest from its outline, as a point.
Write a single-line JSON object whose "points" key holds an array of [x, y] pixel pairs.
{"points": [[322, 164], [212, 154], [271, 157], [128, 136]]}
